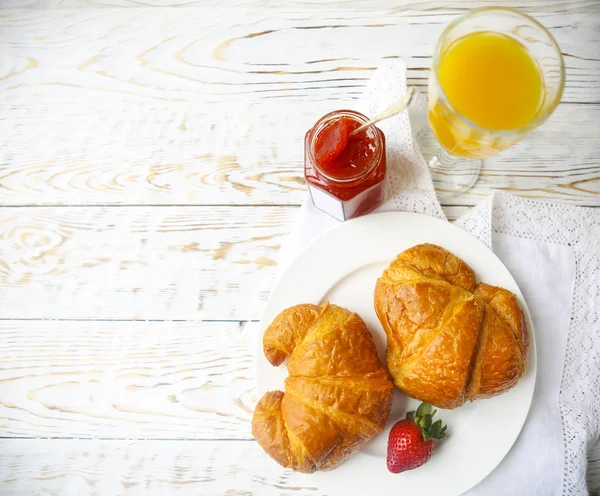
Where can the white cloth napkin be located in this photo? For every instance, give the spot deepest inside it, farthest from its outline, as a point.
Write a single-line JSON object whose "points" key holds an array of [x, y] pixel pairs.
{"points": [[553, 253], [409, 185]]}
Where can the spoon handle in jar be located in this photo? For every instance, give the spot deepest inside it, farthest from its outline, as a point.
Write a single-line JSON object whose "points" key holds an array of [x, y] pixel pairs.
{"points": [[394, 109]]}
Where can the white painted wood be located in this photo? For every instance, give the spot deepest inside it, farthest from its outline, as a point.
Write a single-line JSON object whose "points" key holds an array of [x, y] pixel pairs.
{"points": [[117, 150], [165, 263], [226, 54], [153, 468], [593, 475], [532, 6], [159, 380], [139, 263], [114, 150], [189, 103], [454, 212], [119, 467], [138, 109]]}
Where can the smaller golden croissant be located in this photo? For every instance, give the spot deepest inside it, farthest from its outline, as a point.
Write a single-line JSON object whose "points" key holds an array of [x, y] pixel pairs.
{"points": [[449, 340], [337, 395]]}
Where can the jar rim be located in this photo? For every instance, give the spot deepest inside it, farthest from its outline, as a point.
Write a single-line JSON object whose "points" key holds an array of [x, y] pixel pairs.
{"points": [[318, 127]]}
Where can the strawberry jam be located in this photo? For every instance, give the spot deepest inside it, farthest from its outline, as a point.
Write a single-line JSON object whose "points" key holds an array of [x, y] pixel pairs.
{"points": [[345, 174]]}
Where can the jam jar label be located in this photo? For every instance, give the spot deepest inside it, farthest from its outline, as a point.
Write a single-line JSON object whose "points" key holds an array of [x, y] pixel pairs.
{"points": [[326, 202], [345, 174], [344, 210]]}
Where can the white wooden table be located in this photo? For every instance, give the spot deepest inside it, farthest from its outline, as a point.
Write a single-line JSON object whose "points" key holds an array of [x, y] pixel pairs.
{"points": [[150, 170]]}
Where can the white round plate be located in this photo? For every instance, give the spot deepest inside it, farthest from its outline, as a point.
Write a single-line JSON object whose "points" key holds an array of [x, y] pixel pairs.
{"points": [[342, 267]]}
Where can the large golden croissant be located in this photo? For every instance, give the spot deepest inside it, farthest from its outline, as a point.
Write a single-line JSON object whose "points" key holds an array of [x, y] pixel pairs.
{"points": [[449, 339], [337, 395]]}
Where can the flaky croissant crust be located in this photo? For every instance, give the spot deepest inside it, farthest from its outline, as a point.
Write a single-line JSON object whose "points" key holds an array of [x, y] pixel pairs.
{"points": [[337, 395], [449, 339]]}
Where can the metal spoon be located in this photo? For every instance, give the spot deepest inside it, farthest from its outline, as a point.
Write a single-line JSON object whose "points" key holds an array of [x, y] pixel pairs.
{"points": [[394, 109]]}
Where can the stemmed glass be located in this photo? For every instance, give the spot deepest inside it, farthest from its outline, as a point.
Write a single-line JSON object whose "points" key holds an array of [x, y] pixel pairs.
{"points": [[464, 143]]}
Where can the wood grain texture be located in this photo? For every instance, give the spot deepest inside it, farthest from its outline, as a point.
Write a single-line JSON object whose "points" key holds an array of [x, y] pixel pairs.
{"points": [[118, 150], [226, 54], [139, 263], [188, 103], [152, 380], [93, 467], [209, 106], [531, 6], [115, 150], [118, 467], [593, 475], [159, 380]]}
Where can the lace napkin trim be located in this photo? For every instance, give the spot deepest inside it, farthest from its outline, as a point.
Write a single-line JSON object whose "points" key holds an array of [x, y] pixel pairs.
{"points": [[578, 227]]}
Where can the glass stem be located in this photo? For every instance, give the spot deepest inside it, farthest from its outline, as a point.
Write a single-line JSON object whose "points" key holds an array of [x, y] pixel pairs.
{"points": [[443, 159]]}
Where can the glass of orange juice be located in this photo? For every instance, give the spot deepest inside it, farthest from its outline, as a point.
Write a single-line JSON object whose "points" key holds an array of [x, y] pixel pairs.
{"points": [[497, 74]]}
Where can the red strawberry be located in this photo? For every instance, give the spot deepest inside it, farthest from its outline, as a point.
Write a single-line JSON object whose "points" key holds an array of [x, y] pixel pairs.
{"points": [[410, 443]]}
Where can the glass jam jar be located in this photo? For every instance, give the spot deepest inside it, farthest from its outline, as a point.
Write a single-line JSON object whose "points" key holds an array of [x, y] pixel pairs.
{"points": [[345, 176]]}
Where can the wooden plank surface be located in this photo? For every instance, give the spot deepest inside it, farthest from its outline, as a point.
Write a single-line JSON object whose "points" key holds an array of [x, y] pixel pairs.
{"points": [[127, 467], [219, 154], [137, 108], [151, 380], [160, 380], [90, 467], [593, 475], [460, 6], [139, 262], [153, 170], [232, 54], [167, 263]]}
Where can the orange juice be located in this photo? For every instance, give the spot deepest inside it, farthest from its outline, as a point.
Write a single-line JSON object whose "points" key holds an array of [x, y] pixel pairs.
{"points": [[493, 81]]}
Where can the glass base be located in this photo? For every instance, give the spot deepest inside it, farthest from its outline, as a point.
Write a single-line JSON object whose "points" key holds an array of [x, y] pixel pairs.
{"points": [[451, 175]]}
